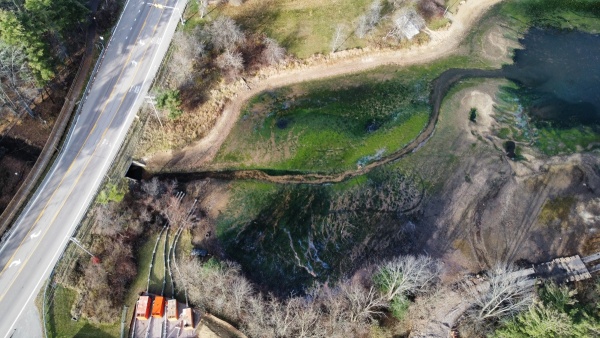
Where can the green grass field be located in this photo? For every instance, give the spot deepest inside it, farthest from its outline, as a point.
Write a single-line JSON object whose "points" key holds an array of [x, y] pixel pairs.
{"points": [[336, 124], [60, 324], [573, 14], [305, 27]]}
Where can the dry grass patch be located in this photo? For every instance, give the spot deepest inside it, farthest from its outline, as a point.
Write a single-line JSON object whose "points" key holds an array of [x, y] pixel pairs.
{"points": [[303, 27]]}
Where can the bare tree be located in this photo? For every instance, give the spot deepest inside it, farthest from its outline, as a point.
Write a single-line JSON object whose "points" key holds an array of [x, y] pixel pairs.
{"points": [[231, 61], [260, 325], [273, 53], [225, 33], [177, 211], [369, 20], [17, 85], [431, 8], [307, 317], [188, 48], [363, 304], [399, 3], [151, 187], [504, 293], [334, 305], [241, 290], [202, 6], [406, 275], [338, 37], [106, 224]]}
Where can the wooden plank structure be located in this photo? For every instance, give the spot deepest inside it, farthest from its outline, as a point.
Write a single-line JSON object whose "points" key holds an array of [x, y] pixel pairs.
{"points": [[591, 258], [564, 269]]}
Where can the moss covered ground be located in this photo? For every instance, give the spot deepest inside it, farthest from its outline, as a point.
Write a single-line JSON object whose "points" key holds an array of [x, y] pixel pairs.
{"points": [[335, 124]]}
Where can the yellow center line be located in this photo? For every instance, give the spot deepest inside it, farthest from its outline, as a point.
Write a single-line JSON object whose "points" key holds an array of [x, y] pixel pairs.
{"points": [[74, 158], [88, 162]]}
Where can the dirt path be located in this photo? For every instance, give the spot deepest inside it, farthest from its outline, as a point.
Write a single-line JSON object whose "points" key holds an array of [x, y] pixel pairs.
{"points": [[442, 44]]}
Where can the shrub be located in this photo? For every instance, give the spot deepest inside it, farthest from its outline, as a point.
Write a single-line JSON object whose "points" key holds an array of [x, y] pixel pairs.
{"points": [[171, 101], [473, 115]]}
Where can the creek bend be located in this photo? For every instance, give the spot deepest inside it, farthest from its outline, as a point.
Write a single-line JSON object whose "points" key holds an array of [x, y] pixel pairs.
{"points": [[560, 69]]}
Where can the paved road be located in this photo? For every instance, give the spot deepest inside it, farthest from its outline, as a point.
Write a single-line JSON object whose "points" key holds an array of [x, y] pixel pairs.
{"points": [[41, 233]]}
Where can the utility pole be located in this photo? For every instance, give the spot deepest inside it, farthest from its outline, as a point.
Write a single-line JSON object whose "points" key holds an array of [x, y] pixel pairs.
{"points": [[150, 100], [76, 241]]}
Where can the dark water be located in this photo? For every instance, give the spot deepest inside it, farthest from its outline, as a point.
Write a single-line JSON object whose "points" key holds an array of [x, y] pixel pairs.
{"points": [[558, 73]]}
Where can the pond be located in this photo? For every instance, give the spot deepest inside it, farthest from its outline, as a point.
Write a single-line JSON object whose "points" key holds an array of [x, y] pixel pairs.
{"points": [[557, 74]]}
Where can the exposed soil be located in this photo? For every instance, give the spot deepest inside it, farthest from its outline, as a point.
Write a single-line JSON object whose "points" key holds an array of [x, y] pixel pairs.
{"points": [[12, 173], [22, 140], [495, 44], [489, 210], [442, 44]]}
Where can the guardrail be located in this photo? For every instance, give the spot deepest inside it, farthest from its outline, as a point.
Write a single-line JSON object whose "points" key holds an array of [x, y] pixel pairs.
{"points": [[22, 195]]}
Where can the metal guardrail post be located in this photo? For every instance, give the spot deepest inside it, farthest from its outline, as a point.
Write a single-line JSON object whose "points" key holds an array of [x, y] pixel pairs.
{"points": [[123, 318]]}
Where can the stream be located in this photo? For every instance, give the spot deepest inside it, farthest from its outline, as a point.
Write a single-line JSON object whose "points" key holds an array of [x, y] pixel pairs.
{"points": [[557, 71]]}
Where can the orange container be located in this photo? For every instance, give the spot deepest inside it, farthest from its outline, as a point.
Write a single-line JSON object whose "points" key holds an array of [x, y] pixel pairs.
{"points": [[158, 307]]}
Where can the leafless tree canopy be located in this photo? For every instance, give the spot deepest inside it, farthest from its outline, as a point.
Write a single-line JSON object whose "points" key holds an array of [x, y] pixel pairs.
{"points": [[151, 187], [364, 304], [273, 53], [407, 275], [189, 47], [399, 3], [230, 61], [225, 33], [431, 8], [504, 293], [338, 37], [369, 20], [342, 311], [116, 229], [17, 86], [202, 6]]}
